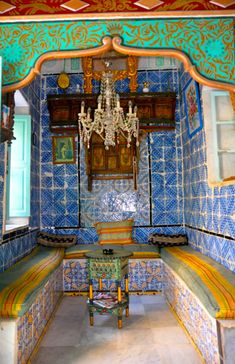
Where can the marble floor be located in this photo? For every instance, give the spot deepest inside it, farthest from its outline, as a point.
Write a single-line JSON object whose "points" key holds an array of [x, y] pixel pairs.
{"points": [[150, 335]]}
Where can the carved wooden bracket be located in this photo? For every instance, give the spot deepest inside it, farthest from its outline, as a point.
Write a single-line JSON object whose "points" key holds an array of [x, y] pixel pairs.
{"points": [[91, 74]]}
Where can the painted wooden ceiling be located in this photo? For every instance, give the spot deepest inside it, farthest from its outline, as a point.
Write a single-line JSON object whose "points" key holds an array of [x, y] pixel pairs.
{"points": [[51, 7]]}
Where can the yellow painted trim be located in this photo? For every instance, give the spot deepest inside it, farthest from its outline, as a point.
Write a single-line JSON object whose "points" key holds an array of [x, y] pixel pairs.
{"points": [[119, 15]]}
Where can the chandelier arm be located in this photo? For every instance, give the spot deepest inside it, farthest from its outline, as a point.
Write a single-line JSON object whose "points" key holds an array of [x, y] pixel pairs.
{"points": [[109, 119]]}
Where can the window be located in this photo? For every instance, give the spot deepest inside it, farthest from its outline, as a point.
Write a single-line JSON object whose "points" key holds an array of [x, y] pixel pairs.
{"points": [[220, 136], [18, 174]]}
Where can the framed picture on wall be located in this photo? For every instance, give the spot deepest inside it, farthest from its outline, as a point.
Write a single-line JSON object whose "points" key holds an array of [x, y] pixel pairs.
{"points": [[63, 149], [193, 108]]}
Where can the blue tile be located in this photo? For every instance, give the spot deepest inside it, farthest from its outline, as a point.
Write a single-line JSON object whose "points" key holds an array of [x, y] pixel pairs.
{"points": [[59, 181], [71, 194], [72, 220], [46, 157], [47, 182], [59, 170]]}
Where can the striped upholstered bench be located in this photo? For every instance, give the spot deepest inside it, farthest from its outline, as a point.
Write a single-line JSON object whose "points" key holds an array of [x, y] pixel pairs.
{"points": [[29, 291], [202, 293], [145, 273]]}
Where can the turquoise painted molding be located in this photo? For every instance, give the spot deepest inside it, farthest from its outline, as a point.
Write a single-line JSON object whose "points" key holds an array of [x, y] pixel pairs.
{"points": [[209, 43]]}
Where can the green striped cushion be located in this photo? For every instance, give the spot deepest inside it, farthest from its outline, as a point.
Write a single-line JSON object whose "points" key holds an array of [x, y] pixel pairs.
{"points": [[20, 283], [115, 232]]}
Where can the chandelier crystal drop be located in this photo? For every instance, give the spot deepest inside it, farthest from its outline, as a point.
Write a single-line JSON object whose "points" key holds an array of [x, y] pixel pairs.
{"points": [[109, 120]]}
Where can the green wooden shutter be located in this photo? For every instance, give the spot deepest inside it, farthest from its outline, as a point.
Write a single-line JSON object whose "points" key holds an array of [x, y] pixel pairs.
{"points": [[19, 200]]}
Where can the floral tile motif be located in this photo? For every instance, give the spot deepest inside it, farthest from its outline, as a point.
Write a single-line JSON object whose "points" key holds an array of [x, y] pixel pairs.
{"points": [[31, 324], [144, 275]]}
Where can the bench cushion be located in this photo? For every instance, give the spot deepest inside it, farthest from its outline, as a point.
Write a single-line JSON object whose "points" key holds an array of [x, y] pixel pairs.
{"points": [[211, 282], [115, 232], [140, 251], [21, 283], [79, 250]]}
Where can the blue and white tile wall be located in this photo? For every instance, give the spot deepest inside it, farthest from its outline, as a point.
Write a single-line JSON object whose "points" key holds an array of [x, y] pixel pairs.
{"points": [[32, 94], [209, 213], [2, 173], [16, 245], [156, 206]]}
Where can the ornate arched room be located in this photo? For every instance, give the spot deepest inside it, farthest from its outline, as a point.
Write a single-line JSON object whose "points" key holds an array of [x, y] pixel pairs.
{"points": [[117, 182]]}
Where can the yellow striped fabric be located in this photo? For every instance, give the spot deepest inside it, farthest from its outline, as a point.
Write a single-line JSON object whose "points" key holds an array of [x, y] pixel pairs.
{"points": [[15, 295], [76, 254], [222, 290], [144, 255], [115, 232]]}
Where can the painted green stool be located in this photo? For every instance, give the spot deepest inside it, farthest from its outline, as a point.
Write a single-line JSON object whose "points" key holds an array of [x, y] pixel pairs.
{"points": [[110, 265]]}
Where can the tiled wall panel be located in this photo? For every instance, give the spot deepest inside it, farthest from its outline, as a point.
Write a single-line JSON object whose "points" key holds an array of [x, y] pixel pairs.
{"points": [[68, 207], [208, 212], [144, 275], [199, 324], [31, 325]]}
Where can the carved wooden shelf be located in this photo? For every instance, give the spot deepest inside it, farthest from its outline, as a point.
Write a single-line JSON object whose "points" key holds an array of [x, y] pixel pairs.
{"points": [[156, 111], [118, 162]]}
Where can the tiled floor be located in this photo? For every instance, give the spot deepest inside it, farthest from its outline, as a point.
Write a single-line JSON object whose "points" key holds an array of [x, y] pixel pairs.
{"points": [[150, 335]]}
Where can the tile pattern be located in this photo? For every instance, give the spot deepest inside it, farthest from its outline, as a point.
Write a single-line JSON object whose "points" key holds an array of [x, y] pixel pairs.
{"points": [[14, 250], [144, 275], [211, 210], [32, 94], [217, 247], [199, 324], [31, 325], [2, 173], [65, 201]]}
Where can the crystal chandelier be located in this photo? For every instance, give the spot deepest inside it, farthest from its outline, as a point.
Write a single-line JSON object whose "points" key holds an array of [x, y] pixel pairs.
{"points": [[109, 119]]}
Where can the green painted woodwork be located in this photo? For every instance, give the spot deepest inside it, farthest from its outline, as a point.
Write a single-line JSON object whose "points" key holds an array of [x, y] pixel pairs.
{"points": [[209, 42], [113, 266], [19, 185]]}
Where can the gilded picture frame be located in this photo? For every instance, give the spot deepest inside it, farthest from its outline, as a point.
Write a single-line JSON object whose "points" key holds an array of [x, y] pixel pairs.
{"points": [[63, 149]]}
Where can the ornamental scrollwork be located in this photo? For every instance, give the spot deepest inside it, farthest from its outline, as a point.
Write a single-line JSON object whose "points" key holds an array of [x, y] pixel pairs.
{"points": [[209, 43]]}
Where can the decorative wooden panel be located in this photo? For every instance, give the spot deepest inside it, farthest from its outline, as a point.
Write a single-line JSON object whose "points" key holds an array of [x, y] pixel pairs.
{"points": [[156, 111], [124, 67], [115, 163]]}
